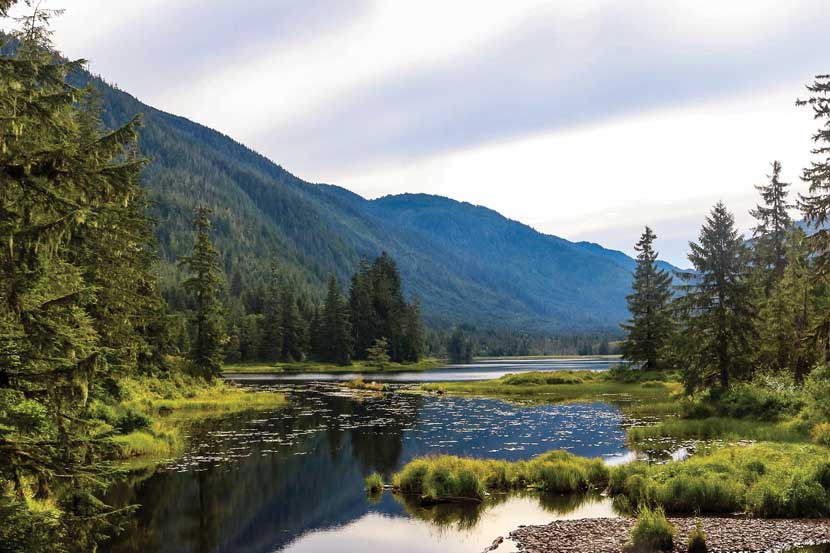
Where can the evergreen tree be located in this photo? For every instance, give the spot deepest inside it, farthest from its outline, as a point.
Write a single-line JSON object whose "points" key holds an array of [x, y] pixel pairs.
{"points": [[770, 234], [272, 323], [292, 327], [68, 193], [650, 325], [378, 354], [787, 313], [361, 310], [335, 332], [206, 284], [413, 333], [459, 347], [718, 302]]}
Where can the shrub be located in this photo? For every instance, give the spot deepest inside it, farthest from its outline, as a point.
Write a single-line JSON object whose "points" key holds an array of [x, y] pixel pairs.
{"points": [[759, 402], [697, 540], [374, 483], [817, 390], [821, 433], [652, 532], [130, 421]]}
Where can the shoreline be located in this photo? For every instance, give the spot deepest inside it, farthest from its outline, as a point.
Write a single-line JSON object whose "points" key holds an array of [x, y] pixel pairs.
{"points": [[723, 534]]}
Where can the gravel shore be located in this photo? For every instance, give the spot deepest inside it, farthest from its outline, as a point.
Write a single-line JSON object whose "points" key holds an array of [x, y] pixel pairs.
{"points": [[608, 535]]}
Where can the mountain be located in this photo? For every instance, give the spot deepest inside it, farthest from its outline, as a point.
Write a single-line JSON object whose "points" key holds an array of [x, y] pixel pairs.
{"points": [[465, 263]]}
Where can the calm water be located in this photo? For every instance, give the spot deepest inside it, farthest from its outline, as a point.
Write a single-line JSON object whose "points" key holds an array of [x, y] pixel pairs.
{"points": [[480, 370], [292, 480]]}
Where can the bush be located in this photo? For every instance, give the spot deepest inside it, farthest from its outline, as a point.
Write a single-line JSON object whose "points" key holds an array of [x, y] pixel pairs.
{"points": [[697, 540], [821, 433], [759, 402], [652, 532], [817, 390], [130, 421], [374, 483]]}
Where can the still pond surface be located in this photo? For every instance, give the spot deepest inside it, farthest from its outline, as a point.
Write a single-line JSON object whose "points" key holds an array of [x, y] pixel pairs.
{"points": [[291, 480]]}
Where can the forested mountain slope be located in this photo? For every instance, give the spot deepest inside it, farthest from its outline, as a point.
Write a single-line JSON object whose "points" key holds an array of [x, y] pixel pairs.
{"points": [[465, 263]]}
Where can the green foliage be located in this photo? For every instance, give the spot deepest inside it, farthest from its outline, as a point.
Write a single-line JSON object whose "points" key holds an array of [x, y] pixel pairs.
{"points": [[459, 347], [821, 433], [652, 532], [205, 284], [697, 540], [130, 421], [377, 355], [650, 326], [717, 308], [335, 340], [770, 480], [447, 477], [373, 483]]}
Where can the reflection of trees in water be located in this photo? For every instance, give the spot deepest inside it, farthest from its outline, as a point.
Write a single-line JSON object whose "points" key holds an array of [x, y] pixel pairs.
{"points": [[465, 515], [263, 501]]}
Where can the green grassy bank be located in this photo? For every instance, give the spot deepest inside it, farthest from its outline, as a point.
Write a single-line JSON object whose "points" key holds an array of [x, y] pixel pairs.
{"points": [[152, 414]]}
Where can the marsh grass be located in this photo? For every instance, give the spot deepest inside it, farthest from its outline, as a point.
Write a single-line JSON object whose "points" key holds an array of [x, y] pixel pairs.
{"points": [[373, 483], [446, 477], [722, 428], [564, 386], [652, 532], [360, 384], [767, 480], [150, 418]]}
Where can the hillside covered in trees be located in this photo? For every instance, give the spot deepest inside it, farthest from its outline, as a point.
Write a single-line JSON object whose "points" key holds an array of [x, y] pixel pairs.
{"points": [[462, 262]]}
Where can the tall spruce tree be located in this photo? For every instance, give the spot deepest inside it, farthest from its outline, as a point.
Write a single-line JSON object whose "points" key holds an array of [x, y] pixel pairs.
{"points": [[272, 333], [721, 314], [650, 325], [815, 206], [774, 223], [206, 283], [335, 331], [292, 327], [68, 198]]}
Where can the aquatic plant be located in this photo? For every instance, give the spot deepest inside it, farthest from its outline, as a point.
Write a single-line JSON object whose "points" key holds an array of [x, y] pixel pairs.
{"points": [[373, 483], [447, 477]]}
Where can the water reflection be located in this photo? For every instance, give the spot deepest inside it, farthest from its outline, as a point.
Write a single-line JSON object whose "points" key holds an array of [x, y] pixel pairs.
{"points": [[292, 480], [480, 370]]}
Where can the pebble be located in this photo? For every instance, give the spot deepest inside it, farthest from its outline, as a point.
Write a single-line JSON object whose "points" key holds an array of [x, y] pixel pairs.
{"points": [[723, 535]]}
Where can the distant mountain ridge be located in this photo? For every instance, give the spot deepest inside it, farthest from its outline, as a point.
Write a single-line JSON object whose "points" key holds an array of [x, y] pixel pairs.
{"points": [[465, 263]]}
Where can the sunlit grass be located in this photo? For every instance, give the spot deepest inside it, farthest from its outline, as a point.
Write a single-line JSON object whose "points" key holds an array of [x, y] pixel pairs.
{"points": [[765, 479], [722, 428], [360, 384], [446, 477], [164, 407]]}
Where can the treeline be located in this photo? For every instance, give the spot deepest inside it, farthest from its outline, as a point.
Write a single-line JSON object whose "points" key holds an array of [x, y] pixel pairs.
{"points": [[751, 305], [465, 342], [373, 323]]}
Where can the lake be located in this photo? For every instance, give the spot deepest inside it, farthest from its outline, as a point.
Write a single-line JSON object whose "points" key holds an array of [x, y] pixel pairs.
{"points": [[480, 370], [291, 480]]}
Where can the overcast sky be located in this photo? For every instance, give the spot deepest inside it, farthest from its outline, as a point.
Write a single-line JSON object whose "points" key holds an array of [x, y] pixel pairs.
{"points": [[586, 119]]}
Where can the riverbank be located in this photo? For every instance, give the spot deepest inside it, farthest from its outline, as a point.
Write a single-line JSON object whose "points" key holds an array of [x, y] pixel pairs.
{"points": [[609, 535], [153, 414], [318, 367]]}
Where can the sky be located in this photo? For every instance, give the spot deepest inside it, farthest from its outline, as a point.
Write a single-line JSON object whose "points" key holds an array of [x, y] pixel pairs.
{"points": [[587, 119]]}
